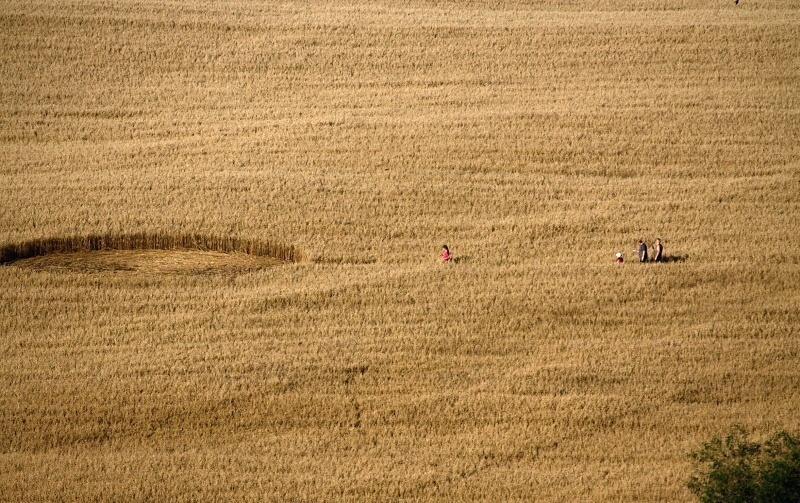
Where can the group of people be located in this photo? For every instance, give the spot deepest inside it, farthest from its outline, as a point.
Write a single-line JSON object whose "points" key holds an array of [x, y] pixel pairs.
{"points": [[642, 252]]}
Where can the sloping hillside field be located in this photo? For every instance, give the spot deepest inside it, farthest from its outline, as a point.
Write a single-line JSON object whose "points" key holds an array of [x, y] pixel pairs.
{"points": [[536, 139]]}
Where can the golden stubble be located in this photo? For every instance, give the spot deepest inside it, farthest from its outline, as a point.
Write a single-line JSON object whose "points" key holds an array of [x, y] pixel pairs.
{"points": [[536, 141]]}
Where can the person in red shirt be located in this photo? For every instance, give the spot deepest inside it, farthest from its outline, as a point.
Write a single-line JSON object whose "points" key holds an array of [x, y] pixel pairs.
{"points": [[445, 255], [619, 258]]}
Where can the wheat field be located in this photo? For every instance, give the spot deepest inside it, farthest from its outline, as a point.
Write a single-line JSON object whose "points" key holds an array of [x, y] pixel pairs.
{"points": [[535, 138]]}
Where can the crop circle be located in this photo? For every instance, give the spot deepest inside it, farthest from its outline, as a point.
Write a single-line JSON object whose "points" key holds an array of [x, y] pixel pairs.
{"points": [[148, 252]]}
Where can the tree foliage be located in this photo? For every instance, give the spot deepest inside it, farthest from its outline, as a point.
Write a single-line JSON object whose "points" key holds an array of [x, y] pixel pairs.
{"points": [[735, 469]]}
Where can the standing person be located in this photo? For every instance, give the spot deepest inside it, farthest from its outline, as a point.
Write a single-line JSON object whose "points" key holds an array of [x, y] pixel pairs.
{"points": [[445, 255], [658, 251], [641, 250], [619, 258]]}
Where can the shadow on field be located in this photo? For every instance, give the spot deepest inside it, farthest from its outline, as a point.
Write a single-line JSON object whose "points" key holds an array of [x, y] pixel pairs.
{"points": [[675, 258], [345, 260]]}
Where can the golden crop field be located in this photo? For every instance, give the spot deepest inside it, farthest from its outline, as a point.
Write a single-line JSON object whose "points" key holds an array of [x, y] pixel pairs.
{"points": [[535, 138]]}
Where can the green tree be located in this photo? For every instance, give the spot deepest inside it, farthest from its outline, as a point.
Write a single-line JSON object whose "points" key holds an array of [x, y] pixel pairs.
{"points": [[736, 470]]}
